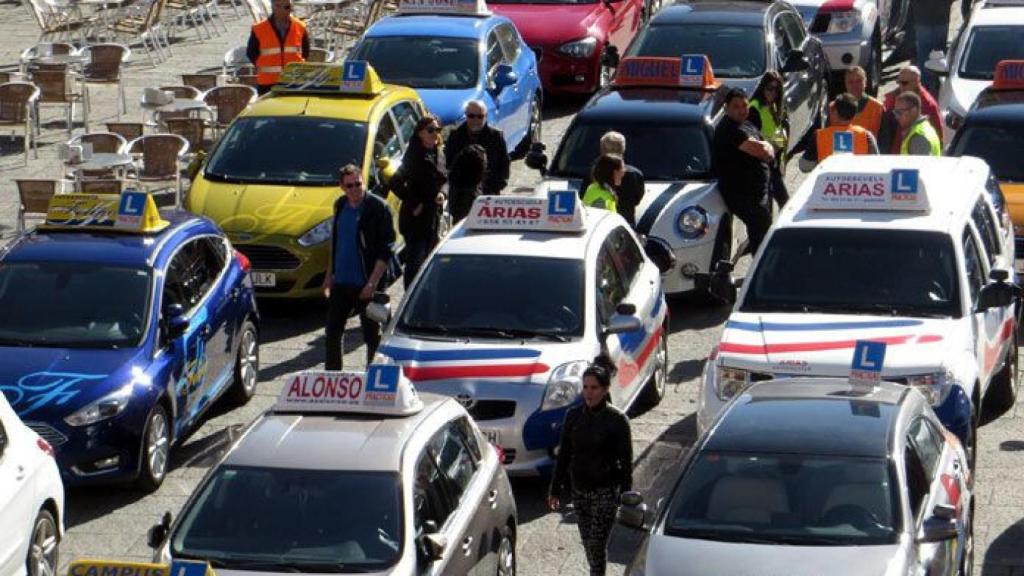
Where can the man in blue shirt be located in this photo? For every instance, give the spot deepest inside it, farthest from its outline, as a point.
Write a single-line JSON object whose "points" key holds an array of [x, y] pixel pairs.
{"points": [[362, 240]]}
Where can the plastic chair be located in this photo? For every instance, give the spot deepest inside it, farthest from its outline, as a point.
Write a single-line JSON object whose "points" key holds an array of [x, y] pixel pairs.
{"points": [[201, 82], [229, 101], [104, 68], [17, 110], [56, 90], [107, 186], [159, 160], [191, 129], [34, 199], [130, 130]]}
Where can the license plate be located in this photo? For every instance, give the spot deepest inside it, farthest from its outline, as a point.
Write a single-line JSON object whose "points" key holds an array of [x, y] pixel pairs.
{"points": [[493, 436], [264, 279]]}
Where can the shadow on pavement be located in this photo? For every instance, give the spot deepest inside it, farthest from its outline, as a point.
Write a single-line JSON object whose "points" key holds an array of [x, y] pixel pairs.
{"points": [[690, 313], [1003, 552]]}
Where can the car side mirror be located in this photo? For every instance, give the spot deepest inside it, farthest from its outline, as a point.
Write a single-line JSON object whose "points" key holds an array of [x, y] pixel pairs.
{"points": [[796, 61], [159, 532], [175, 321], [940, 526], [536, 158], [504, 76], [937, 64], [620, 323], [632, 511], [610, 57], [997, 293], [660, 253], [431, 542]]}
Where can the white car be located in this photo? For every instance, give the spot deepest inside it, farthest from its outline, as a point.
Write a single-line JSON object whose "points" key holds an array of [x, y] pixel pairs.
{"points": [[993, 33], [911, 251], [31, 500]]}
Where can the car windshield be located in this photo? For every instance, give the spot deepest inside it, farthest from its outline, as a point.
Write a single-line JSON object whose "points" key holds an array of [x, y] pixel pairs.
{"points": [[1001, 146], [986, 46], [297, 150], [661, 151], [286, 520], [72, 304], [785, 499], [439, 63], [503, 302], [734, 51], [856, 271]]}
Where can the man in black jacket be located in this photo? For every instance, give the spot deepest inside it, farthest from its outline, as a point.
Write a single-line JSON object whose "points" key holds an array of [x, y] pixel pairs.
{"points": [[362, 240], [476, 130]]}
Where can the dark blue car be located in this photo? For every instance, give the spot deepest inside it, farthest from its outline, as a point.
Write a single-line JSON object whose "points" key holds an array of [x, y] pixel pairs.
{"points": [[113, 345]]}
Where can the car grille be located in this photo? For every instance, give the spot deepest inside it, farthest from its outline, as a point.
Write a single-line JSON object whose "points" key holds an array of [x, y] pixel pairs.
{"points": [[48, 433], [820, 23], [269, 257], [492, 409]]}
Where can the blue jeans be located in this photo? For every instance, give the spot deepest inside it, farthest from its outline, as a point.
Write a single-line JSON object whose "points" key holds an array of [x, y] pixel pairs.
{"points": [[930, 37]]}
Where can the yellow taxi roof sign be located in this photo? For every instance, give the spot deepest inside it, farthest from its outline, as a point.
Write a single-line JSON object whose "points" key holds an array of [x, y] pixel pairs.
{"points": [[1009, 75], [687, 71], [444, 7], [349, 77], [115, 568], [130, 211]]}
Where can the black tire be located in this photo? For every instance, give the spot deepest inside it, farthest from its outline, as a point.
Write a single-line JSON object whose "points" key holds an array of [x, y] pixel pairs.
{"points": [[43, 556], [874, 67], [972, 444], [155, 450], [654, 388], [247, 365], [966, 567], [1002, 393], [506, 553], [533, 131]]}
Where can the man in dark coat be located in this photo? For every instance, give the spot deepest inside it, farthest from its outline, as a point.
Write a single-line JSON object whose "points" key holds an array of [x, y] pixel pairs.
{"points": [[476, 130]]}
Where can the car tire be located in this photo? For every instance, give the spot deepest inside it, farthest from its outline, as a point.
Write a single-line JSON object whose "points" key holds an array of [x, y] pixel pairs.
{"points": [[155, 450], [247, 365], [43, 551], [534, 131], [654, 389], [874, 67], [1002, 392], [966, 567], [506, 553], [972, 444]]}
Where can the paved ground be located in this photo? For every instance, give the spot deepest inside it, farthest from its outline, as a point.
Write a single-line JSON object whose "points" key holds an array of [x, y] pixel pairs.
{"points": [[112, 522]]}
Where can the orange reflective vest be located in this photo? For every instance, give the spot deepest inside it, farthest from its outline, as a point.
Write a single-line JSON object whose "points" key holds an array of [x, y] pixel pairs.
{"points": [[826, 138], [870, 116], [273, 56]]}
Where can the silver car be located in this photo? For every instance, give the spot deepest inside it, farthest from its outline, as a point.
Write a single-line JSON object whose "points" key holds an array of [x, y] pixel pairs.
{"points": [[351, 493], [812, 477]]}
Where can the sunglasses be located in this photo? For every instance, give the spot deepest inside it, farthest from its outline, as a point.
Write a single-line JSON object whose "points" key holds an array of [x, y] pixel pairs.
{"points": [[476, 116], [901, 111], [431, 129], [352, 185]]}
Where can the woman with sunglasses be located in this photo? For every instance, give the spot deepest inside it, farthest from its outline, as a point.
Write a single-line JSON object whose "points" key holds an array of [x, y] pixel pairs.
{"points": [[418, 184], [595, 462], [768, 114]]}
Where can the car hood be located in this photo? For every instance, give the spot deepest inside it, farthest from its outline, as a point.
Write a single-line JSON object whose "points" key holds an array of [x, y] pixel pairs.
{"points": [[256, 210], [965, 92], [552, 24], [43, 383], [448, 104], [822, 344], [663, 555]]}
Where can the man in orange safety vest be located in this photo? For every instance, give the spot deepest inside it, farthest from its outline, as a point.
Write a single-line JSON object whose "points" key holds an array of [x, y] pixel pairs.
{"points": [[841, 136], [276, 41]]}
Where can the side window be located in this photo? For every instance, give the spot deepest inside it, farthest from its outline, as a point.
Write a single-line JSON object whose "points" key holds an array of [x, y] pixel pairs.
{"points": [[972, 261], [406, 115], [782, 45], [986, 229], [995, 193], [215, 252], [917, 481], [386, 143], [469, 436], [190, 274], [509, 39], [610, 289], [430, 496], [453, 458], [928, 444], [495, 55], [795, 32], [627, 254]]}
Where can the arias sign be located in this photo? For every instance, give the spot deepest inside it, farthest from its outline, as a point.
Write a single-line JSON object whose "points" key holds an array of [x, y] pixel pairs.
{"points": [[559, 211], [895, 190]]}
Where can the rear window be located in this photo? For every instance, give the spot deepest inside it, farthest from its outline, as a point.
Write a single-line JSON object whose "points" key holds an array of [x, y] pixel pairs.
{"points": [[734, 51]]}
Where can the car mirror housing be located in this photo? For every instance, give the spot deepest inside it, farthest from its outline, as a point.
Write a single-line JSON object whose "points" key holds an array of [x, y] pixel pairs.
{"points": [[660, 253], [620, 323], [633, 512], [938, 65], [504, 76], [938, 529], [159, 532], [998, 293], [175, 321]]}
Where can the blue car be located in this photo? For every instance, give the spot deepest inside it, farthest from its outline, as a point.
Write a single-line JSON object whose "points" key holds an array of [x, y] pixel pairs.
{"points": [[453, 58], [115, 341]]}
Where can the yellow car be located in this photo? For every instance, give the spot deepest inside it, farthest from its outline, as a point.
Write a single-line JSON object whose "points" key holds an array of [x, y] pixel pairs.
{"points": [[272, 180]]}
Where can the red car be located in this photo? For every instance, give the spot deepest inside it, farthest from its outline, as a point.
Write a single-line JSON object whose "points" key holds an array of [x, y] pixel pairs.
{"points": [[577, 42]]}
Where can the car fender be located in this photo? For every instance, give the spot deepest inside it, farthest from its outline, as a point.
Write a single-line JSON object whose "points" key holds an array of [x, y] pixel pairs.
{"points": [[661, 216]]}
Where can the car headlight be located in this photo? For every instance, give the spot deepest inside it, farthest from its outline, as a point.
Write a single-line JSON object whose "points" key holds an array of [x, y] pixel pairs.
{"points": [[107, 407], [731, 381], [564, 385], [935, 386], [583, 48], [692, 222], [317, 234], [843, 21]]}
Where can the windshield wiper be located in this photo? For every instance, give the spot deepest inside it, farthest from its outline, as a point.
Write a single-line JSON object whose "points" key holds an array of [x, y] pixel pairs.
{"points": [[426, 329], [509, 333], [718, 535], [892, 309], [785, 307]]}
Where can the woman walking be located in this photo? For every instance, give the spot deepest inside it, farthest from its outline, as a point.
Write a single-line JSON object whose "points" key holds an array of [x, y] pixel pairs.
{"points": [[418, 184], [768, 114], [595, 462]]}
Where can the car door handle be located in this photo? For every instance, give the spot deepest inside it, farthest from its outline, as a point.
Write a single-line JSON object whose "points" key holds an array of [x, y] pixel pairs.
{"points": [[20, 475], [492, 498], [467, 545]]}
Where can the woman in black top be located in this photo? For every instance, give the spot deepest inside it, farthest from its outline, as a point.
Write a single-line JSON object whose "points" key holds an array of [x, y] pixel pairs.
{"points": [[418, 184], [595, 461], [466, 180]]}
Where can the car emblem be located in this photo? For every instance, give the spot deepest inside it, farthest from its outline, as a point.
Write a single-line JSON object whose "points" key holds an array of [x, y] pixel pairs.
{"points": [[466, 400], [242, 237]]}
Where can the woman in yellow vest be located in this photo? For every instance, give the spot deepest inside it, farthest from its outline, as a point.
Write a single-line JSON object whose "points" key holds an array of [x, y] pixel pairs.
{"points": [[275, 42], [768, 114], [605, 177]]}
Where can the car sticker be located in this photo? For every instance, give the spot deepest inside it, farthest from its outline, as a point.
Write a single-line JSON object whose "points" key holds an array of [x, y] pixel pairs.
{"points": [[38, 389]]}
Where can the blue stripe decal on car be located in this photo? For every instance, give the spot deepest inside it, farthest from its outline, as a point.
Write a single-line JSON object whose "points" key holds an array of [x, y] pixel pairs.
{"points": [[411, 354], [777, 327], [651, 214]]}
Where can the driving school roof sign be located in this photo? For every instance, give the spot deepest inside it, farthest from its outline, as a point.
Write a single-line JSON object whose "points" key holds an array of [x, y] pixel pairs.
{"points": [[457, 7], [689, 71], [896, 190], [127, 212], [350, 77], [1009, 75], [559, 211], [382, 389]]}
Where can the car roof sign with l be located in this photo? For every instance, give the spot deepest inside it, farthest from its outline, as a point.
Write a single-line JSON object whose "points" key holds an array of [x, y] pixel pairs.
{"points": [[382, 389], [558, 211], [445, 7], [689, 71], [130, 212], [116, 568], [350, 77], [896, 190], [866, 370], [1009, 75]]}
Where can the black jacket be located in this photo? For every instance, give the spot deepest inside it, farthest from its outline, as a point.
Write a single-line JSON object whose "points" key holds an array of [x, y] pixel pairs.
{"points": [[465, 179], [417, 183], [595, 451], [629, 193], [376, 233], [493, 142]]}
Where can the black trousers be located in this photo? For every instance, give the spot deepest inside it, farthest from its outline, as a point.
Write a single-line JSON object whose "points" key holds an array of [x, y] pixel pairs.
{"points": [[756, 214], [416, 251], [595, 514], [343, 302], [777, 186]]}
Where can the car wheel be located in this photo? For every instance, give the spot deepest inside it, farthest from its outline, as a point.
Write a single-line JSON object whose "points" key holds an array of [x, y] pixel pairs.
{"points": [[156, 447], [654, 391], [972, 441], [1003, 391], [43, 554], [967, 558], [875, 65], [506, 555], [247, 365], [533, 131]]}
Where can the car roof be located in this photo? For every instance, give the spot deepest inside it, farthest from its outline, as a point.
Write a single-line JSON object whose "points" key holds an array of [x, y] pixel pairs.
{"points": [[451, 26], [114, 248], [820, 416], [530, 244], [997, 107], [728, 12], [995, 14], [356, 442], [354, 107], [948, 182], [646, 104]]}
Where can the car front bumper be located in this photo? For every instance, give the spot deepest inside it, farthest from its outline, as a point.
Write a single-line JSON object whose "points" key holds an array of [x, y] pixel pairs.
{"points": [[296, 271], [561, 74], [846, 50]]}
